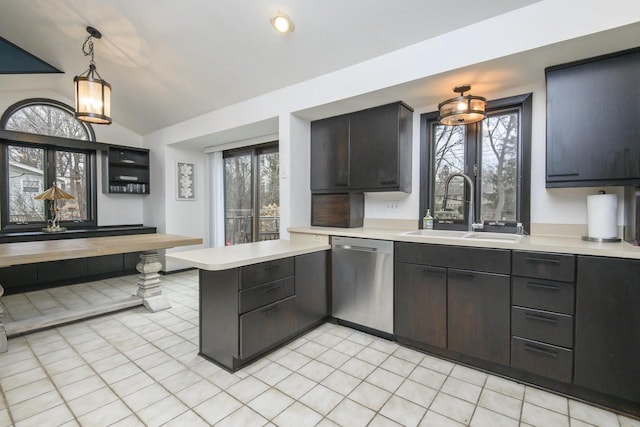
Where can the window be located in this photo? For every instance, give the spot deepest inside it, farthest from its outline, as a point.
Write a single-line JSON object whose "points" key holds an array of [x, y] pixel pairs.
{"points": [[28, 169], [252, 184], [494, 153]]}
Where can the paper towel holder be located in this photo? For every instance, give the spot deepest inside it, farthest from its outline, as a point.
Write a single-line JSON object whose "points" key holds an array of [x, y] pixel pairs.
{"points": [[601, 239]]}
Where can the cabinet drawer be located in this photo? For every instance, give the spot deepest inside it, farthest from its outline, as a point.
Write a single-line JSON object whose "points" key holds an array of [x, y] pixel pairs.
{"points": [[542, 265], [258, 296], [542, 359], [543, 294], [265, 272], [465, 258], [545, 326], [264, 327]]}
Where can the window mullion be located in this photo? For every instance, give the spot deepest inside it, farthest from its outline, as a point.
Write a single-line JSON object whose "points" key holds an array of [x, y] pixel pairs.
{"points": [[50, 176]]}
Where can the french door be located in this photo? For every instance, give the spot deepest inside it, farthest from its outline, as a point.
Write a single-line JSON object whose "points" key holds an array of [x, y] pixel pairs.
{"points": [[252, 194]]}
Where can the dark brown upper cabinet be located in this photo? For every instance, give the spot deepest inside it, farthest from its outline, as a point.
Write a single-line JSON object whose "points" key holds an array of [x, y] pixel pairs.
{"points": [[593, 131], [365, 151], [330, 154]]}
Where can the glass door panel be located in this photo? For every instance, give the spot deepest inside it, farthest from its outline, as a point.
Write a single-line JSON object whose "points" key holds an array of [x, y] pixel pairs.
{"points": [[238, 200], [269, 195]]}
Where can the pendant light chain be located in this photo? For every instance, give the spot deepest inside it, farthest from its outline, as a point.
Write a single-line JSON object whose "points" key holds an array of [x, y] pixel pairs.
{"points": [[88, 42]]}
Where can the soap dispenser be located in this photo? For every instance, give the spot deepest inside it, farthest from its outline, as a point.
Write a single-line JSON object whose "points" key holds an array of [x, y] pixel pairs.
{"points": [[427, 221]]}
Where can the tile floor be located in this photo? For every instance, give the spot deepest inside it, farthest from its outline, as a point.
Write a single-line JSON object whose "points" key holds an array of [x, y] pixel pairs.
{"points": [[138, 368]]}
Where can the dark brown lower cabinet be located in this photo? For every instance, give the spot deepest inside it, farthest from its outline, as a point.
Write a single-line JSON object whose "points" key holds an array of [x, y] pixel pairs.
{"points": [[261, 328], [247, 311], [607, 336], [421, 303], [479, 307], [29, 277], [311, 288]]}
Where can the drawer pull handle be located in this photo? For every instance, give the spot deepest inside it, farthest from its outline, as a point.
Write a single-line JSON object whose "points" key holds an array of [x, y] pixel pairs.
{"points": [[340, 184], [464, 276], [271, 289], [432, 271], [563, 174], [541, 318], [271, 267], [550, 261], [390, 182], [543, 286], [273, 309], [539, 350]]}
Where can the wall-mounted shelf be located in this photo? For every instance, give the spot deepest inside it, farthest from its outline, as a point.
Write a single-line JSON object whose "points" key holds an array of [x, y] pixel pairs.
{"points": [[125, 170]]}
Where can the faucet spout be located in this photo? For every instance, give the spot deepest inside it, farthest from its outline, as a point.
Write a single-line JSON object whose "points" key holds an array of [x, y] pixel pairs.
{"points": [[471, 195]]}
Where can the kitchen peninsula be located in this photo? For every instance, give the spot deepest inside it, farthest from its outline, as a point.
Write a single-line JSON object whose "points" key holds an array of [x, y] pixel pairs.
{"points": [[256, 296]]}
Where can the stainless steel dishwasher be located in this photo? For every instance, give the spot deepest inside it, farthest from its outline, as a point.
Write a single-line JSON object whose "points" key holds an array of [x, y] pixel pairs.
{"points": [[362, 290]]}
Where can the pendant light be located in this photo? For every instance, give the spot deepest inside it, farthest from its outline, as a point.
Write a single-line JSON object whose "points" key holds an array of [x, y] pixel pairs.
{"points": [[462, 109], [93, 94]]}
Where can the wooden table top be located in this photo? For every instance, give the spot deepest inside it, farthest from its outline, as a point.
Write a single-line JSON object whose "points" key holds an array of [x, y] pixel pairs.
{"points": [[54, 250]]}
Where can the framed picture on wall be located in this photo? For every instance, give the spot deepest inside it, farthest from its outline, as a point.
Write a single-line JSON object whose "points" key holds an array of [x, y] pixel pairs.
{"points": [[186, 185]]}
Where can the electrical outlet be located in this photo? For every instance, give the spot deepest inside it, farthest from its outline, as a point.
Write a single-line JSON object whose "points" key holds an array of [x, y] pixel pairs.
{"points": [[392, 206], [317, 238]]}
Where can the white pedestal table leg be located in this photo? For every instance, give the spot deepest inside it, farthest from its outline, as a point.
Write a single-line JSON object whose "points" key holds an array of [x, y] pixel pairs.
{"points": [[149, 282]]}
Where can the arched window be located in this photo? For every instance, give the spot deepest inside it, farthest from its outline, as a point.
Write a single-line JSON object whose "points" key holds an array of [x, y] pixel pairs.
{"points": [[28, 169], [46, 117]]}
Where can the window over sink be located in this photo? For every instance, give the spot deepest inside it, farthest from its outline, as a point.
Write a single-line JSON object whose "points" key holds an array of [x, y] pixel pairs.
{"points": [[494, 153]]}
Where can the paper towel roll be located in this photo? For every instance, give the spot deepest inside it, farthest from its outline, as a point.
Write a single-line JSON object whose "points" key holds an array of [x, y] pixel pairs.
{"points": [[602, 216]]}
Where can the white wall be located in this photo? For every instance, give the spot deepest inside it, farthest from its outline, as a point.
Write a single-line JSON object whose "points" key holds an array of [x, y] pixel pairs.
{"points": [[185, 217], [541, 24], [113, 209]]}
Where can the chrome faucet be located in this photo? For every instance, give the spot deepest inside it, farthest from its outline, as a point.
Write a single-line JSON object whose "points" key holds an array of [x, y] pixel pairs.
{"points": [[472, 225]]}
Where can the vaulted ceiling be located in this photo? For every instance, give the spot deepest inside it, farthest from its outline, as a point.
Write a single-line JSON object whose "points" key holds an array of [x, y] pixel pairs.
{"points": [[169, 61]]}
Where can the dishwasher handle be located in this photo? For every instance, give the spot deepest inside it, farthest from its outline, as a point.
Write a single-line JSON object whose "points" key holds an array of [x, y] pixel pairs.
{"points": [[355, 248]]}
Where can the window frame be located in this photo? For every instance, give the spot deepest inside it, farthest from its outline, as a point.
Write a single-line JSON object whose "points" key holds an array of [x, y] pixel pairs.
{"points": [[522, 103], [14, 108], [50, 145], [49, 175]]}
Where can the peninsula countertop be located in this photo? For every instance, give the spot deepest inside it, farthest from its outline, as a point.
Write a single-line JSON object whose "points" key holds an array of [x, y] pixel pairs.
{"points": [[226, 257]]}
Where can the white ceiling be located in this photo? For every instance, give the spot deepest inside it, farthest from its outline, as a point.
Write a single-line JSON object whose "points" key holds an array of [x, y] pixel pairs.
{"points": [[169, 61]]}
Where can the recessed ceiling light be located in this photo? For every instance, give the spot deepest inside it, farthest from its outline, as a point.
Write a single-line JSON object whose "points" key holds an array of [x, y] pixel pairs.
{"points": [[282, 23]]}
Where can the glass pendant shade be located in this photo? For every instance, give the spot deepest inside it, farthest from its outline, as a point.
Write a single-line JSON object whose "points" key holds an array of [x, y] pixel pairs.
{"points": [[93, 97], [463, 109]]}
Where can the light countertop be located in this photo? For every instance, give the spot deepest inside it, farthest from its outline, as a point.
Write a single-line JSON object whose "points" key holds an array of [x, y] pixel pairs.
{"points": [[546, 243], [227, 257], [54, 250]]}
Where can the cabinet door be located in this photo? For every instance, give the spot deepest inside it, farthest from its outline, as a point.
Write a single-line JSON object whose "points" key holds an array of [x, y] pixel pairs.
{"points": [[607, 341], [380, 145], [311, 288], [261, 329], [330, 154], [592, 121], [421, 304], [479, 306]]}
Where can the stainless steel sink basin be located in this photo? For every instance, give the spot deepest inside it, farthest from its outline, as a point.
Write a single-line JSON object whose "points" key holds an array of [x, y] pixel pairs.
{"points": [[446, 234], [480, 236], [493, 237]]}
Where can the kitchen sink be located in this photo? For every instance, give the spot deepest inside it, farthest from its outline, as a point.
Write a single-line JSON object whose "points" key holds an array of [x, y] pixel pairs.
{"points": [[446, 234], [493, 237], [482, 236]]}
